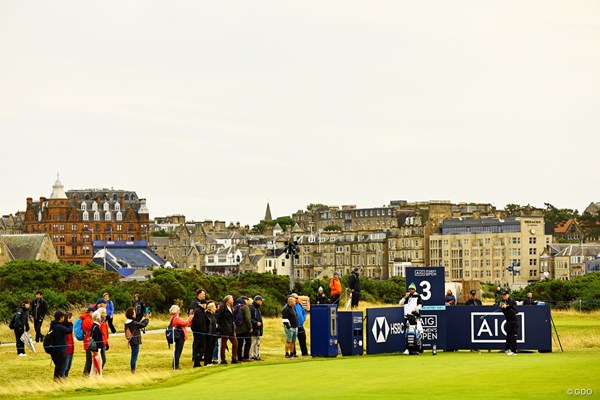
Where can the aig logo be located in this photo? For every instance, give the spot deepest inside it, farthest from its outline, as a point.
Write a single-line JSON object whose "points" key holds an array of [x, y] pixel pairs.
{"points": [[490, 327]]}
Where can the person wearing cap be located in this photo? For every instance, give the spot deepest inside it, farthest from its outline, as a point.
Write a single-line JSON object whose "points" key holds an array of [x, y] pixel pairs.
{"points": [[412, 302], [321, 297], [243, 332], [301, 334], [354, 286], [507, 306], [257, 327], [335, 288], [86, 325], [139, 307], [198, 326], [473, 300]]}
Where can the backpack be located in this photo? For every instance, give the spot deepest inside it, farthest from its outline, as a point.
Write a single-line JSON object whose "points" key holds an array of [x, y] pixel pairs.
{"points": [[78, 329], [128, 334], [173, 334], [48, 343], [15, 322], [238, 314]]}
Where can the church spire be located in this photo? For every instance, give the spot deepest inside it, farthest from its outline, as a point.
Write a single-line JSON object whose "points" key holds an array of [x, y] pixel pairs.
{"points": [[268, 216]]}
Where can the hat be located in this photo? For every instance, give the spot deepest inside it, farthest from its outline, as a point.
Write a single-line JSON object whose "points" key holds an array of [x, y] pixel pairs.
{"points": [[473, 292], [412, 286], [100, 301], [335, 273], [504, 292], [258, 297], [320, 288], [355, 269], [90, 309]]}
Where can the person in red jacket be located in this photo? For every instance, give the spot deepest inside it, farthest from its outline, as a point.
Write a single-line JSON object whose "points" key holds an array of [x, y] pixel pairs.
{"points": [[181, 324], [86, 326]]}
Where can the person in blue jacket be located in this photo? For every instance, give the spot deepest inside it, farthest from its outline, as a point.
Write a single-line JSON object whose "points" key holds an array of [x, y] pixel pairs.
{"points": [[301, 312], [110, 312], [59, 329]]}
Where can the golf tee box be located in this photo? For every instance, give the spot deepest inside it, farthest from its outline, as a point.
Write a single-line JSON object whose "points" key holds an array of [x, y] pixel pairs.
{"points": [[323, 330]]}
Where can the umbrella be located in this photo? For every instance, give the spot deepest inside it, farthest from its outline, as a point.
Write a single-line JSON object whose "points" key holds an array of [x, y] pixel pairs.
{"points": [[96, 364], [28, 340]]}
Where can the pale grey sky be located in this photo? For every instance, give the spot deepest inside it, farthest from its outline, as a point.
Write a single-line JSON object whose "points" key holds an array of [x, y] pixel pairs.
{"points": [[212, 108]]}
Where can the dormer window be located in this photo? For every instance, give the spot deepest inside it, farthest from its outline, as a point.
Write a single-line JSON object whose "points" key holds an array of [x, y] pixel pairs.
{"points": [[83, 206], [94, 206], [96, 216], [106, 206], [119, 216], [117, 206], [85, 216], [107, 216]]}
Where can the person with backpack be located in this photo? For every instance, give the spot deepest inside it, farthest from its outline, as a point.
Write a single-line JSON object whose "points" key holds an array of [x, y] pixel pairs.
{"points": [[243, 327], [96, 343], [68, 358], [20, 324], [57, 346], [178, 323], [301, 332], [133, 335], [226, 328], [257, 327], [86, 327], [39, 309]]}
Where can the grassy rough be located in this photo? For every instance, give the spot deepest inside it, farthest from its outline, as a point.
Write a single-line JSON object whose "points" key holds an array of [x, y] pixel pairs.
{"points": [[453, 375]]}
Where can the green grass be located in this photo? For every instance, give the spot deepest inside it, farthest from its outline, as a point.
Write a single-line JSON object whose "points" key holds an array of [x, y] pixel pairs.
{"points": [[448, 375]]}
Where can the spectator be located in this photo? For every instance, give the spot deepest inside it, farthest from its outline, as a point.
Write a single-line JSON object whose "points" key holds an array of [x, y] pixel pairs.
{"points": [[68, 358], [86, 325], [355, 288], [450, 299], [39, 309], [110, 312], [227, 329], [290, 327], [179, 323], [243, 332], [473, 300], [20, 324], [507, 306], [59, 329], [321, 297], [529, 301], [211, 333], [301, 333], [257, 327], [134, 335], [198, 327], [103, 329], [96, 336], [335, 288], [139, 307]]}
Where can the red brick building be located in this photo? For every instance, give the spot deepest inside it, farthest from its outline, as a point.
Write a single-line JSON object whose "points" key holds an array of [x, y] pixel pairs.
{"points": [[74, 219]]}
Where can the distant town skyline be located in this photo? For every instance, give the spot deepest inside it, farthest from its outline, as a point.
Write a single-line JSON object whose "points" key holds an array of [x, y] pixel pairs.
{"points": [[212, 109]]}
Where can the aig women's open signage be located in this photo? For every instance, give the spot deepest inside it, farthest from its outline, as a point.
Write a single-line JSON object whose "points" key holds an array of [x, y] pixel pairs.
{"points": [[429, 282]]}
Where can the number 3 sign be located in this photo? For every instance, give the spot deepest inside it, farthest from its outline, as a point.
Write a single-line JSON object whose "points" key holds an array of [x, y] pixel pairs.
{"points": [[429, 282]]}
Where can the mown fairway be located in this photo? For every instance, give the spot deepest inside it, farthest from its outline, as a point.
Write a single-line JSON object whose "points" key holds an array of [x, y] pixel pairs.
{"points": [[448, 375]]}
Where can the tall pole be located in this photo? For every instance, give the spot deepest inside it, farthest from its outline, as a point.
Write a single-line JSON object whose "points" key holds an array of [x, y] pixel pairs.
{"points": [[292, 283]]}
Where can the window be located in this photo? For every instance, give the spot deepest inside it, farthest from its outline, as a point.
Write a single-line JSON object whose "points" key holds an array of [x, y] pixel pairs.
{"points": [[83, 206], [85, 216], [532, 251], [106, 206], [119, 227], [117, 206], [533, 261], [107, 216], [94, 206], [532, 240], [96, 216]]}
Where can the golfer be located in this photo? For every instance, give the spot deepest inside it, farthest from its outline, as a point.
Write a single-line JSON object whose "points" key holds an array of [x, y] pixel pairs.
{"points": [[507, 306]]}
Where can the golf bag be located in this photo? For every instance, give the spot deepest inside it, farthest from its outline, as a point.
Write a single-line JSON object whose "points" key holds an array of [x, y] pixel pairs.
{"points": [[414, 333]]}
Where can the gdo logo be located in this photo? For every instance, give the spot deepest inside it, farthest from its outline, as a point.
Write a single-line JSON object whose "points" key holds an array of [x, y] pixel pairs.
{"points": [[580, 392]]}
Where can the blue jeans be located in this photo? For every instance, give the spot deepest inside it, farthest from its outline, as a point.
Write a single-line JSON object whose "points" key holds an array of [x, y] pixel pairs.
{"points": [[135, 350], [66, 366]]}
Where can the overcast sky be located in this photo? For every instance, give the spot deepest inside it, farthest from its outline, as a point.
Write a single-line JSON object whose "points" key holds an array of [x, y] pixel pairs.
{"points": [[212, 108]]}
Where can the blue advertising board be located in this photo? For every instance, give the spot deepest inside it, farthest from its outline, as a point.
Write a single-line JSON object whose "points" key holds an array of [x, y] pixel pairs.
{"points": [[430, 282], [483, 327], [385, 330], [433, 319]]}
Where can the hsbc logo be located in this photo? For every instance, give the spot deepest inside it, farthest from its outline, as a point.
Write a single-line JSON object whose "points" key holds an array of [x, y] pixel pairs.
{"points": [[382, 329], [491, 327]]}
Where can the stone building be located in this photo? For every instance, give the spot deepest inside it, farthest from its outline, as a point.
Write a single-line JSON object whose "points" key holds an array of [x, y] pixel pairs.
{"points": [[76, 218], [27, 247]]}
